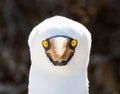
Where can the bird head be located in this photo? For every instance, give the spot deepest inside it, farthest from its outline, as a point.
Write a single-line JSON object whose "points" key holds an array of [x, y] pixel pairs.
{"points": [[59, 43]]}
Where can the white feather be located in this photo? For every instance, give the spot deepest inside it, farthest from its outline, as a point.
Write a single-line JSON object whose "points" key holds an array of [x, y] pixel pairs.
{"points": [[45, 78]]}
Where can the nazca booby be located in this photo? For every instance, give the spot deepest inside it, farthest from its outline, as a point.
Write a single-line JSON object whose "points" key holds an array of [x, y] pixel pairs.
{"points": [[59, 50]]}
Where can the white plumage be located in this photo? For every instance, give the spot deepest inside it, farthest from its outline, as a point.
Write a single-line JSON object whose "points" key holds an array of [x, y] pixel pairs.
{"points": [[47, 78]]}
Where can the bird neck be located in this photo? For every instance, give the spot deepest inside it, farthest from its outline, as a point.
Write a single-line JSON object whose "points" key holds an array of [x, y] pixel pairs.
{"points": [[46, 82]]}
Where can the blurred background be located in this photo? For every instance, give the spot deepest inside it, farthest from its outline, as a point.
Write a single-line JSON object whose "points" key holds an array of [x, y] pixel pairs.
{"points": [[101, 17]]}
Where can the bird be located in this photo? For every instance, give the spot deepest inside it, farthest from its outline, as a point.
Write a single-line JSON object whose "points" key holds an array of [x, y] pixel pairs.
{"points": [[59, 52]]}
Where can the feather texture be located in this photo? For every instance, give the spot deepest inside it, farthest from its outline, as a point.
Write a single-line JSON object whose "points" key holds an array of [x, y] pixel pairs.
{"points": [[45, 77]]}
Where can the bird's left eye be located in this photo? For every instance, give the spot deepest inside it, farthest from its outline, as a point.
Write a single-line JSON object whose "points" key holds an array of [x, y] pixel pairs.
{"points": [[45, 43], [74, 43]]}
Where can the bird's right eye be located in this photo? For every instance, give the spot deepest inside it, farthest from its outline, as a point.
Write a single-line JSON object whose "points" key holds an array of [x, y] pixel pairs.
{"points": [[45, 43]]}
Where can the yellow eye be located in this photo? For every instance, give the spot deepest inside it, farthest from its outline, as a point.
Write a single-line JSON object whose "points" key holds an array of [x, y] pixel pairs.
{"points": [[73, 42], [45, 43]]}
